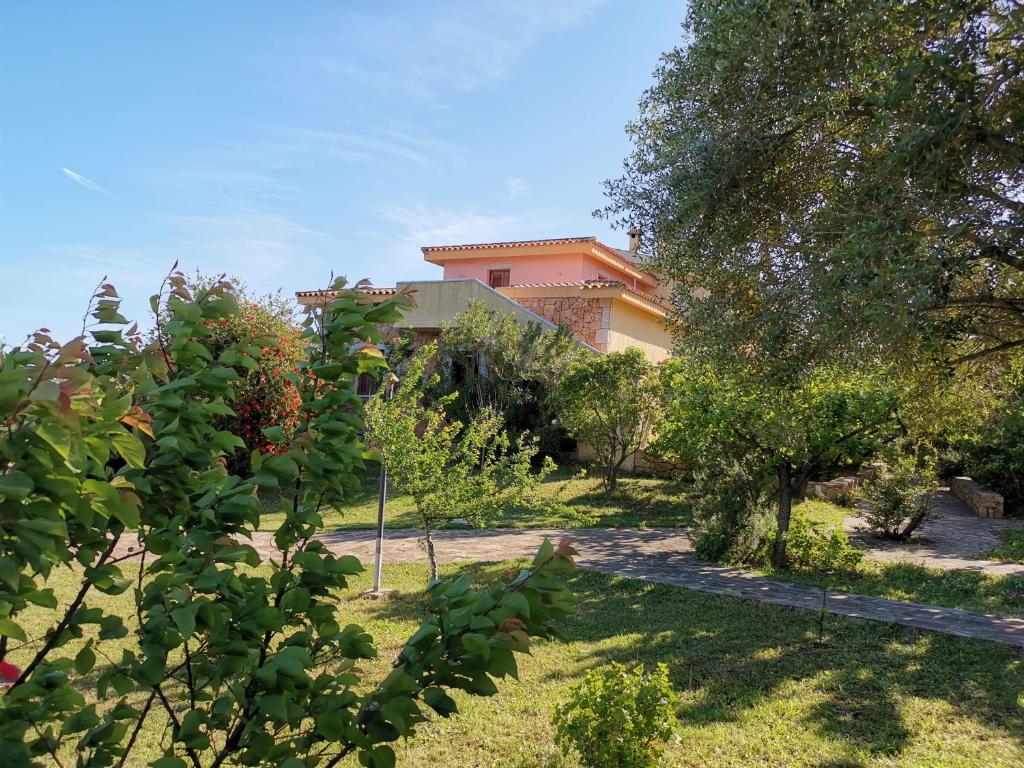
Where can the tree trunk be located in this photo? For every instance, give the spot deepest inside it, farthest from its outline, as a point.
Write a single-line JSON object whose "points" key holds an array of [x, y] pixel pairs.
{"points": [[785, 472], [428, 543], [614, 465], [915, 522]]}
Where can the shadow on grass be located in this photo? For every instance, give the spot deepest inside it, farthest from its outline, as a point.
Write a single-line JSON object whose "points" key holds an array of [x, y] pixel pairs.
{"points": [[970, 590], [563, 501], [732, 655]]}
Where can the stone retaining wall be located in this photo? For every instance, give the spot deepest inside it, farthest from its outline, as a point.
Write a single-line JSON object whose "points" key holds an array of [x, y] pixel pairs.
{"points": [[983, 503]]}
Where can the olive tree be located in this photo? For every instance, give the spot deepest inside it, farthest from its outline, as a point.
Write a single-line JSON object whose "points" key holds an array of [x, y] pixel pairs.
{"points": [[235, 649], [857, 166]]}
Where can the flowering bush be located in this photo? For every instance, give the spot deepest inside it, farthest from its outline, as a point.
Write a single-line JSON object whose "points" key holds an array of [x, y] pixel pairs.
{"points": [[267, 394]]}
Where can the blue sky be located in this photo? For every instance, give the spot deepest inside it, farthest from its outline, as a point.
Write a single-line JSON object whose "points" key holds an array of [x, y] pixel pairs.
{"points": [[281, 141]]}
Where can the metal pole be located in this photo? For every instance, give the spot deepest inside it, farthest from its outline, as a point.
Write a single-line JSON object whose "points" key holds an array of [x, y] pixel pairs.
{"points": [[382, 495], [381, 499]]}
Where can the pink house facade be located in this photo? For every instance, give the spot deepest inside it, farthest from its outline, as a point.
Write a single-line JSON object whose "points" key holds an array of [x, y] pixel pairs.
{"points": [[603, 295]]}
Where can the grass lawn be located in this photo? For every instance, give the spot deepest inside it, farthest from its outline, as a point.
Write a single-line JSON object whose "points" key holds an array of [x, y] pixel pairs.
{"points": [[969, 590], [756, 687], [639, 501], [1011, 550]]}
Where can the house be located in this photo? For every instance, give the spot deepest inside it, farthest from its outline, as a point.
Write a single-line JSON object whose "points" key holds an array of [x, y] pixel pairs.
{"points": [[604, 295]]}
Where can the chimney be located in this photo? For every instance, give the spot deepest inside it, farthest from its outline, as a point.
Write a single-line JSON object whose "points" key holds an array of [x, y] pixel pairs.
{"points": [[634, 239]]}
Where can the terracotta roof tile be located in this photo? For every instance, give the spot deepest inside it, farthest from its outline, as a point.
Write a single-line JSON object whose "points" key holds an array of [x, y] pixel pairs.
{"points": [[630, 259], [369, 290], [510, 244]]}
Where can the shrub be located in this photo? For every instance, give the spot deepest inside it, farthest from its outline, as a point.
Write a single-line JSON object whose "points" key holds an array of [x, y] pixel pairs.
{"points": [[997, 461], [494, 362], [811, 548], [899, 497], [618, 717], [846, 500], [112, 474], [732, 513], [266, 394]]}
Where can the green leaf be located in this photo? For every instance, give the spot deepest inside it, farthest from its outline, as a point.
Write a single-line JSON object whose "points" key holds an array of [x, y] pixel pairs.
{"points": [[545, 552], [85, 660], [129, 448], [10, 629], [190, 734], [517, 602], [378, 757], [332, 725], [440, 702], [185, 619], [15, 485], [476, 645]]}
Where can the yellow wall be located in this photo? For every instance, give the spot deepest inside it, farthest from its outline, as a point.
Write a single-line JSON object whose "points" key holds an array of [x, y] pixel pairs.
{"points": [[632, 327]]}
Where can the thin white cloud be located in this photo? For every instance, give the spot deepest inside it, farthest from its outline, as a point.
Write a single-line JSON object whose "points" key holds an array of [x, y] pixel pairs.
{"points": [[461, 44], [83, 181], [247, 243], [421, 225]]}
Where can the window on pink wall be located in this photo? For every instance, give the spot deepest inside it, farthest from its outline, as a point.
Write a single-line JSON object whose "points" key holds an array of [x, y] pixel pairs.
{"points": [[498, 278]]}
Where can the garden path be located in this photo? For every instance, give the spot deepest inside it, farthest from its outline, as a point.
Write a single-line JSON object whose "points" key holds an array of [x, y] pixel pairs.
{"points": [[952, 538], [664, 555]]}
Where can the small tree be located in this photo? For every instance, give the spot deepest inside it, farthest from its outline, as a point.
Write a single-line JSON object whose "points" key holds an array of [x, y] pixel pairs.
{"points": [[612, 403], [113, 473], [452, 470], [827, 419]]}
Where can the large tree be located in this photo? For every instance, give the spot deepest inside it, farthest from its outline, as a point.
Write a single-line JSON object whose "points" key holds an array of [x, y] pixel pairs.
{"points": [[833, 174]]}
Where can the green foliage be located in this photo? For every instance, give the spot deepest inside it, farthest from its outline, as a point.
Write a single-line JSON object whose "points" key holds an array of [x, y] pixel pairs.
{"points": [[721, 419], [838, 175], [899, 497], [113, 473], [996, 461], [732, 515], [1010, 550], [266, 395], [995, 455], [450, 469], [493, 362], [611, 402], [618, 717], [812, 547]]}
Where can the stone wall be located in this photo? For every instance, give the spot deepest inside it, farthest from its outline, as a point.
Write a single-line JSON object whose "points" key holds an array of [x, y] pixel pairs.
{"points": [[588, 319], [983, 503]]}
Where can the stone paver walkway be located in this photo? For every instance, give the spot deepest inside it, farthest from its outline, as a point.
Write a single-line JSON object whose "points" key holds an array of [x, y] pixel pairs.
{"points": [[664, 555], [952, 538]]}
